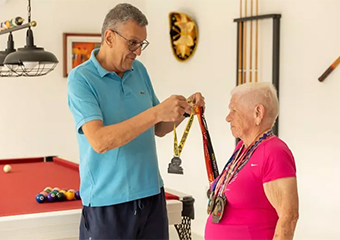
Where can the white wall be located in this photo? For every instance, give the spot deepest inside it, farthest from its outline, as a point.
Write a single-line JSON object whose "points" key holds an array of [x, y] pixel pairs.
{"points": [[35, 118]]}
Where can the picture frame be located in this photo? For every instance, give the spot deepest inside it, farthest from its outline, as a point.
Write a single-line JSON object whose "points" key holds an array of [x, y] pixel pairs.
{"points": [[78, 48]]}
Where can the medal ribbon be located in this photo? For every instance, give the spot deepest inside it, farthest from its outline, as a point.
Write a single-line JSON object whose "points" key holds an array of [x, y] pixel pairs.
{"points": [[178, 148], [210, 159]]}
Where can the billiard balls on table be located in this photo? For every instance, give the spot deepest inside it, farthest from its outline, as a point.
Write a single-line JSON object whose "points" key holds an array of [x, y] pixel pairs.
{"points": [[7, 168], [40, 198]]}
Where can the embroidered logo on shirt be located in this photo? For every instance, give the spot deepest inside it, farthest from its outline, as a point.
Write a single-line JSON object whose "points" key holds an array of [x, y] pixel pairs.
{"points": [[142, 92], [253, 164]]}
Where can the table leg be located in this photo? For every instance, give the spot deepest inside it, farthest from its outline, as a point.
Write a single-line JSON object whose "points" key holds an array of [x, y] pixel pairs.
{"points": [[184, 228]]}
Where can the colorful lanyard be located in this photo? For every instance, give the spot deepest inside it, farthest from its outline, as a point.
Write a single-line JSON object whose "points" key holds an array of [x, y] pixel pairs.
{"points": [[237, 161], [209, 156]]}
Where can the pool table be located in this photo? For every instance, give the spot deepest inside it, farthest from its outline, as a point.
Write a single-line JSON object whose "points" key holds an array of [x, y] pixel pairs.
{"points": [[21, 217]]}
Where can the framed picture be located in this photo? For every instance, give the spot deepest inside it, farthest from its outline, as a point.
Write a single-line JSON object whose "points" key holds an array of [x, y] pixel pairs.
{"points": [[78, 48]]}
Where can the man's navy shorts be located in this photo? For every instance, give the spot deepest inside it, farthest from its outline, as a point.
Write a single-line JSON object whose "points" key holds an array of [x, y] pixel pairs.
{"points": [[145, 218]]}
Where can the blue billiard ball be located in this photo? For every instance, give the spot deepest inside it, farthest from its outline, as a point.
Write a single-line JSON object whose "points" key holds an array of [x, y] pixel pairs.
{"points": [[40, 198]]}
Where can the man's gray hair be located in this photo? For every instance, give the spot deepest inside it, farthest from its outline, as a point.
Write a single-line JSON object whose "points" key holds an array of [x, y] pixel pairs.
{"points": [[260, 93], [123, 13]]}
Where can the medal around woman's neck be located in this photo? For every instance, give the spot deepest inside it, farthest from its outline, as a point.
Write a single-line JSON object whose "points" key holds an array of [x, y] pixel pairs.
{"points": [[218, 201]]}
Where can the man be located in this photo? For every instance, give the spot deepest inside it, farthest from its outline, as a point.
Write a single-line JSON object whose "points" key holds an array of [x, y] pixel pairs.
{"points": [[117, 115]]}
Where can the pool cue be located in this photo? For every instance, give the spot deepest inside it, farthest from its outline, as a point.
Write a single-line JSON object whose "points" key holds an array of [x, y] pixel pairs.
{"points": [[251, 44], [256, 41], [240, 47], [245, 45], [329, 70]]}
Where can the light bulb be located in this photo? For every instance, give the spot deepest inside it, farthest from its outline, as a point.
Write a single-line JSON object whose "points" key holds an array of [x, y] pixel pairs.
{"points": [[30, 65]]}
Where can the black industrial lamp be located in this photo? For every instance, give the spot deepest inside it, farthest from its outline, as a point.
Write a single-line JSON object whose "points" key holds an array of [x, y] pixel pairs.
{"points": [[30, 61], [4, 71]]}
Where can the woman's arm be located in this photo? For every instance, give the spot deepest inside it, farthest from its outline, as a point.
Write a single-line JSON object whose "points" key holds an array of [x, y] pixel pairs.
{"points": [[282, 194]]}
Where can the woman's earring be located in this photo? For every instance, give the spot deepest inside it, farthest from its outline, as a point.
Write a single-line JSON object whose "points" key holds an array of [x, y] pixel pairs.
{"points": [[257, 123]]}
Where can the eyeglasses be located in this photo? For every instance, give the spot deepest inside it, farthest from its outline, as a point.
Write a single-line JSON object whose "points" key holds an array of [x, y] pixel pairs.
{"points": [[132, 44]]}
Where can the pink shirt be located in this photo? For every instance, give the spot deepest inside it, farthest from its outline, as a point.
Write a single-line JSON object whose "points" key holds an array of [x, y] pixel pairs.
{"points": [[248, 214]]}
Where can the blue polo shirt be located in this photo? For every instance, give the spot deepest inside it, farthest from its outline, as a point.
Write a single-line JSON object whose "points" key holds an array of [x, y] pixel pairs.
{"points": [[126, 173]]}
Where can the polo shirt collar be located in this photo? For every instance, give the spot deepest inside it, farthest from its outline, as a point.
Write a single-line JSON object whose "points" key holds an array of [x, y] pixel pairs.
{"points": [[102, 71]]}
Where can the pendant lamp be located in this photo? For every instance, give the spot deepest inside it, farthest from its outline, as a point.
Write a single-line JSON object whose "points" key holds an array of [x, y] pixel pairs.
{"points": [[30, 61], [4, 71]]}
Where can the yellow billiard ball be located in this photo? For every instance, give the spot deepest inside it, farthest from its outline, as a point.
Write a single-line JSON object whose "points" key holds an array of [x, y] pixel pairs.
{"points": [[70, 195]]}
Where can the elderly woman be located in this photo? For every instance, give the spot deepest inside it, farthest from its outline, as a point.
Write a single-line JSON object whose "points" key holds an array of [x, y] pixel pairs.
{"points": [[255, 196]]}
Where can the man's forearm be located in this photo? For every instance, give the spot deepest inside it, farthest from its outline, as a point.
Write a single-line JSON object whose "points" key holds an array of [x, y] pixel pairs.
{"points": [[117, 135], [163, 128], [285, 228]]}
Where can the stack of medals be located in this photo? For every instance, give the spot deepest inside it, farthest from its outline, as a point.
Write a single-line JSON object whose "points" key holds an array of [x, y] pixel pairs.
{"points": [[217, 201]]}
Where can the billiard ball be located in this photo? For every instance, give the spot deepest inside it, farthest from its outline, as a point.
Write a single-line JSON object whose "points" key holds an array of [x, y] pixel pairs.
{"points": [[55, 191], [44, 193], [63, 191], [51, 197], [77, 195], [48, 189], [70, 195], [40, 198], [61, 196], [56, 188], [7, 168]]}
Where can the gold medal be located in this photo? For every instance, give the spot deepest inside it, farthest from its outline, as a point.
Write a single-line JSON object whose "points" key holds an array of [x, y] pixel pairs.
{"points": [[218, 211], [211, 203]]}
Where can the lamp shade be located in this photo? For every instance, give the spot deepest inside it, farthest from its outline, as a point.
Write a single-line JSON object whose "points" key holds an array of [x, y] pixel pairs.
{"points": [[31, 60], [10, 49], [31, 54], [5, 71], [3, 54]]}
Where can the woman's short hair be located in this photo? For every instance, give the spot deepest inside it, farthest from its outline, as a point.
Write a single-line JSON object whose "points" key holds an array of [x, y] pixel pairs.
{"points": [[259, 93], [123, 13]]}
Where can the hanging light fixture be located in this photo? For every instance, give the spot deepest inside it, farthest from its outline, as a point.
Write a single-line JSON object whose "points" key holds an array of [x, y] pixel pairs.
{"points": [[4, 71], [30, 61]]}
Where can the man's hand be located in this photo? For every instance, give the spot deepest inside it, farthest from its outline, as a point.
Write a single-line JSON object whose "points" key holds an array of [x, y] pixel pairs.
{"points": [[197, 100], [172, 109]]}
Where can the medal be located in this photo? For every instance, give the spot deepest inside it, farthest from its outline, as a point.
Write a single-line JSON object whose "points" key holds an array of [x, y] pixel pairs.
{"points": [[175, 166], [211, 203], [218, 211]]}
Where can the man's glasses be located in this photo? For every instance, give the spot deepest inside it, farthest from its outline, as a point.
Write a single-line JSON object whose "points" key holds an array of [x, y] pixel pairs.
{"points": [[132, 44]]}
